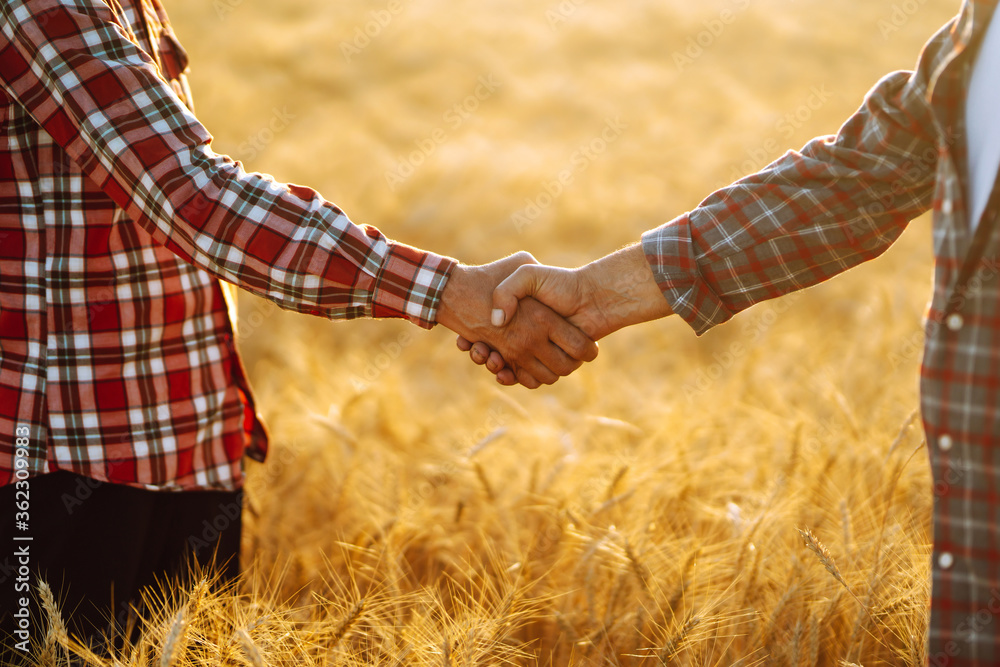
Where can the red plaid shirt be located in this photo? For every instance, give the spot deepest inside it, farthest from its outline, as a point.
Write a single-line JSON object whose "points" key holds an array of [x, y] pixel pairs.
{"points": [[842, 200], [116, 223]]}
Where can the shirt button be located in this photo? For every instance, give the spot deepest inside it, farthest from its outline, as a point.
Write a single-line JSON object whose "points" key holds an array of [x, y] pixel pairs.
{"points": [[945, 443], [947, 207], [946, 560], [955, 322]]}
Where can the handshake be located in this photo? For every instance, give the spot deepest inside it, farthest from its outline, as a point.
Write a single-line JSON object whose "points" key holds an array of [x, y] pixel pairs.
{"points": [[532, 324]]}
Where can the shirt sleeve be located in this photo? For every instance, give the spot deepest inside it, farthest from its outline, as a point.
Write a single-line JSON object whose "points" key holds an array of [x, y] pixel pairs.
{"points": [[77, 70], [809, 215]]}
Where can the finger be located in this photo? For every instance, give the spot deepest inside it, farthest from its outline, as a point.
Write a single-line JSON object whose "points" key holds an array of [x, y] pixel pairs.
{"points": [[480, 353], [554, 358], [507, 378], [463, 344], [495, 363], [539, 371], [525, 281], [573, 342], [567, 337], [521, 258], [527, 379]]}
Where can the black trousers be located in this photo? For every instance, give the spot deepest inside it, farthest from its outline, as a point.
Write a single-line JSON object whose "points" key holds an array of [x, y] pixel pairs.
{"points": [[98, 545]]}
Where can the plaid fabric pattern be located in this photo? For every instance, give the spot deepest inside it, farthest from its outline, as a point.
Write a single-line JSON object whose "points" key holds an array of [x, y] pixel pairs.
{"points": [[116, 223], [842, 200]]}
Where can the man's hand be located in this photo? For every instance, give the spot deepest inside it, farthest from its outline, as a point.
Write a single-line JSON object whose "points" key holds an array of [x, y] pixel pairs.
{"points": [[537, 345], [600, 298]]}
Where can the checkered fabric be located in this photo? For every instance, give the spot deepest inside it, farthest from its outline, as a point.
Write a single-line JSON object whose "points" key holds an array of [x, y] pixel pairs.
{"points": [[117, 221], [842, 200]]}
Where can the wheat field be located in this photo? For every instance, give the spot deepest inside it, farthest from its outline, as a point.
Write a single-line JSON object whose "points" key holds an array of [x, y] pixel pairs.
{"points": [[757, 496]]}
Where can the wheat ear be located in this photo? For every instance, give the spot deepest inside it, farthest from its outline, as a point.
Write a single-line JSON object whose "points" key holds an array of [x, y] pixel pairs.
{"points": [[250, 649], [348, 623], [176, 640]]}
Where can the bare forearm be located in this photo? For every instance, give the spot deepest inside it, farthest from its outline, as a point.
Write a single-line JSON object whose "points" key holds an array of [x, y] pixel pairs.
{"points": [[622, 291]]}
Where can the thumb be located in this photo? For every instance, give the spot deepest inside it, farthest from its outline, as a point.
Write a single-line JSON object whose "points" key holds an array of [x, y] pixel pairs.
{"points": [[525, 281]]}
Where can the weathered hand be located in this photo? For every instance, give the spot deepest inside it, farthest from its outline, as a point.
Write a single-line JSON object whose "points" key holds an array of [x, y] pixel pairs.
{"points": [[537, 346], [599, 298]]}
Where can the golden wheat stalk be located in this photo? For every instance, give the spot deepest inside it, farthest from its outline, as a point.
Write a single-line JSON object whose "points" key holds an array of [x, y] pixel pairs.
{"points": [[484, 480], [57, 628], [250, 649], [826, 558], [446, 652], [640, 571], [845, 520], [776, 613], [682, 583], [750, 586], [675, 644], [347, 625], [814, 630], [56, 636], [613, 484], [796, 646], [176, 640]]}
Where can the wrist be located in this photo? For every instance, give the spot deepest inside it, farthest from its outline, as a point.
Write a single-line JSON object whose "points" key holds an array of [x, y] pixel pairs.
{"points": [[450, 308], [410, 284], [621, 287]]}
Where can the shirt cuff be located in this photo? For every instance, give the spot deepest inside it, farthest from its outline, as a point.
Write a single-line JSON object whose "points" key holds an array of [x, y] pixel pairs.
{"points": [[410, 285], [672, 255]]}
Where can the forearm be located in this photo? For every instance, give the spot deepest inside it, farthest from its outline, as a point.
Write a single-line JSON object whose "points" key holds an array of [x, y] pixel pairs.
{"points": [[623, 291]]}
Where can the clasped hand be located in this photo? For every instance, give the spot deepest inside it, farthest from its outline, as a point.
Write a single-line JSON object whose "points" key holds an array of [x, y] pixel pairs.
{"points": [[595, 300], [537, 345]]}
